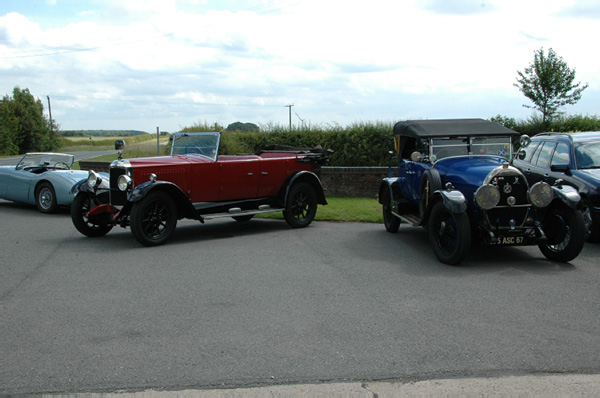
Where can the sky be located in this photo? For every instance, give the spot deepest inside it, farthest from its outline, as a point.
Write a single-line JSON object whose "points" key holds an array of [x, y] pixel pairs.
{"points": [[169, 64]]}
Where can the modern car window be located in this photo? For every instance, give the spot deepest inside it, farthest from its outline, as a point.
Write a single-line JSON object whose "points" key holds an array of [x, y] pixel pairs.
{"points": [[561, 154], [587, 155], [530, 150], [544, 157], [536, 154]]}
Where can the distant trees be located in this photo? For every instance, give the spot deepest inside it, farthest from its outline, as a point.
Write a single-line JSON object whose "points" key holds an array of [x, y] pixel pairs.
{"points": [[103, 133], [548, 83], [562, 123], [243, 127], [23, 126], [202, 126]]}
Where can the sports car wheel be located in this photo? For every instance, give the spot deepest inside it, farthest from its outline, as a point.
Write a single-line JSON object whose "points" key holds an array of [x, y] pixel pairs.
{"points": [[450, 234], [301, 205], [89, 227], [45, 198], [391, 222], [565, 230], [153, 219]]}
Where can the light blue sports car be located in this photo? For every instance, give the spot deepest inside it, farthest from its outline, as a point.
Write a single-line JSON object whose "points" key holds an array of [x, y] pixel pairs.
{"points": [[43, 179]]}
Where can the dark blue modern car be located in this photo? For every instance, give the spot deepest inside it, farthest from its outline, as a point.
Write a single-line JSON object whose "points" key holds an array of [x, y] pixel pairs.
{"points": [[573, 158], [456, 179]]}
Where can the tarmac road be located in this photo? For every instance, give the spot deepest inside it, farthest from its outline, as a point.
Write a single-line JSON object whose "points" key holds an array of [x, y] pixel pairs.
{"points": [[238, 305]]}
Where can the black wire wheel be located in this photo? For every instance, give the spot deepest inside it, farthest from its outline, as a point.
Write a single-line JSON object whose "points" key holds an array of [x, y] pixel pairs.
{"points": [[45, 198], [301, 205], [390, 221], [153, 219], [449, 234], [566, 231], [89, 226]]}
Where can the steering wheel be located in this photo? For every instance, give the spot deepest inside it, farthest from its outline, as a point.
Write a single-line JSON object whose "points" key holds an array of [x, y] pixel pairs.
{"points": [[61, 164]]}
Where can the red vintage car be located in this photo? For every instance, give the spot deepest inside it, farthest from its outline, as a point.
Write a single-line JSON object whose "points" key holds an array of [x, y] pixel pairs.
{"points": [[151, 194]]}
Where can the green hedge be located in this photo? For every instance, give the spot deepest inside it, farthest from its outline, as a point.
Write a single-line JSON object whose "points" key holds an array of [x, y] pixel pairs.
{"points": [[361, 144], [562, 123], [368, 144]]}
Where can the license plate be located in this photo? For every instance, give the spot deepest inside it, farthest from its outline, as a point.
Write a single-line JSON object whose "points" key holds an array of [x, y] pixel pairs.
{"points": [[509, 241]]}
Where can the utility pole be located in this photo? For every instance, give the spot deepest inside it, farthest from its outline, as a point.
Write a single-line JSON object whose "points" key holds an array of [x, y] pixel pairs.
{"points": [[290, 107], [157, 142], [50, 112]]}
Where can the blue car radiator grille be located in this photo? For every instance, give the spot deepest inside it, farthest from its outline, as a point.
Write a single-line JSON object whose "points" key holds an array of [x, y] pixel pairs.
{"points": [[513, 203]]}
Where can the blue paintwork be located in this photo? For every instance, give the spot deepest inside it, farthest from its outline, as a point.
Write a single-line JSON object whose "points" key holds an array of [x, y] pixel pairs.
{"points": [[467, 173], [20, 185]]}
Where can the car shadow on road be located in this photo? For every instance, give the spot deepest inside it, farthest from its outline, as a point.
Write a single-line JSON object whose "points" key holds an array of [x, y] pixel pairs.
{"points": [[411, 250], [121, 239], [225, 229], [25, 208]]}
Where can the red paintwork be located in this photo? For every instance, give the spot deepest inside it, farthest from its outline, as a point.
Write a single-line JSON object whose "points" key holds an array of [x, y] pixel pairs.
{"points": [[100, 209], [229, 178]]}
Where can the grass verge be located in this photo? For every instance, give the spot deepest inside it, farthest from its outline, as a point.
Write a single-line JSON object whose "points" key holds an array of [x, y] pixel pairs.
{"points": [[344, 210]]}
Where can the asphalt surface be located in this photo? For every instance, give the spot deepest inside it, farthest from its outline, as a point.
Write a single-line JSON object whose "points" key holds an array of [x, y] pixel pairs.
{"points": [[241, 305]]}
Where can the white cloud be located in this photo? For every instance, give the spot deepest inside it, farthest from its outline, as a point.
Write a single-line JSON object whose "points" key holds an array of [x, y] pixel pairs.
{"points": [[338, 61]]}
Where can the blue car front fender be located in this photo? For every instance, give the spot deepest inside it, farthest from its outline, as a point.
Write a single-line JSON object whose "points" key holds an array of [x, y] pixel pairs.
{"points": [[453, 200]]}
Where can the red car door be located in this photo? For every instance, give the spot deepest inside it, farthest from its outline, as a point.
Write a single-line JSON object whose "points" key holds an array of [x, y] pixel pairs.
{"points": [[273, 173], [239, 178]]}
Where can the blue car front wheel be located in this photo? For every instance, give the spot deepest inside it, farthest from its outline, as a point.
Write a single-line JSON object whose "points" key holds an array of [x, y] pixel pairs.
{"points": [[450, 234]]}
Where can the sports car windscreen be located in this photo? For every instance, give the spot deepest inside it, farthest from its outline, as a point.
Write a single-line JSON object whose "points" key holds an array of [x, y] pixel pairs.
{"points": [[48, 160], [204, 144]]}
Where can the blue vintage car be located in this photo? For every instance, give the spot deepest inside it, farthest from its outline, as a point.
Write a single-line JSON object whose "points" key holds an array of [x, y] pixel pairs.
{"points": [[43, 179], [455, 178]]}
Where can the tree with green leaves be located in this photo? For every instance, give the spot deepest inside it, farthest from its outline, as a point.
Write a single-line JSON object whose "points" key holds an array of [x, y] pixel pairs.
{"points": [[548, 83], [23, 125], [243, 127]]}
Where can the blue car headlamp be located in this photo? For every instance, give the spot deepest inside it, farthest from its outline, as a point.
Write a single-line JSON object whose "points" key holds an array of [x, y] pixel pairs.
{"points": [[487, 196], [124, 182], [93, 179], [541, 194]]}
